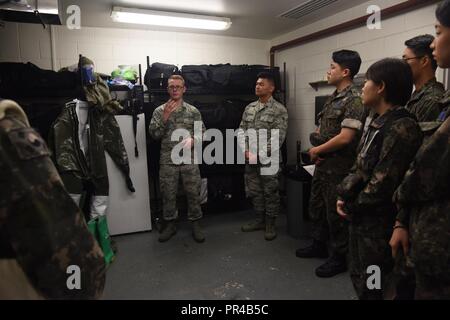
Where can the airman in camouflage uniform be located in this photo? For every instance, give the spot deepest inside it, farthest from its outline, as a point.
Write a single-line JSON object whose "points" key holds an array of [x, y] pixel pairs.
{"points": [[385, 151], [424, 103], [422, 231], [42, 231], [341, 122], [181, 116], [343, 110], [334, 151], [263, 187], [425, 211], [390, 140]]}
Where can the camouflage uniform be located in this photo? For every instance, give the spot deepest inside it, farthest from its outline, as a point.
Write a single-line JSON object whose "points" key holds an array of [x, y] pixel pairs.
{"points": [[342, 110], [42, 231], [73, 164], [425, 207], [182, 118], [263, 189], [424, 104], [387, 147]]}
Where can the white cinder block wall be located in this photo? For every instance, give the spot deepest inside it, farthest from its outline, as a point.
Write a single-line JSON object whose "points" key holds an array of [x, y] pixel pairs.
{"points": [[309, 62], [108, 48]]}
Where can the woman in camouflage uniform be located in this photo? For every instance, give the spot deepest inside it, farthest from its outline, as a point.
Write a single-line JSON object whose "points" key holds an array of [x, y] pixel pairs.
{"points": [[390, 140]]}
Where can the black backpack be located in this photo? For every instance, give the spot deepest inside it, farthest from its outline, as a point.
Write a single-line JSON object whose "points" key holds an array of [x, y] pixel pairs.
{"points": [[157, 76]]}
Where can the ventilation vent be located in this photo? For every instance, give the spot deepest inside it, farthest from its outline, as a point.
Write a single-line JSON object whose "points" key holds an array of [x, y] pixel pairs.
{"points": [[306, 8]]}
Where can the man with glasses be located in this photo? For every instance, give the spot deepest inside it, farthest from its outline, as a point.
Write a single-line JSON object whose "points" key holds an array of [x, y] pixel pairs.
{"points": [[175, 115], [424, 103]]}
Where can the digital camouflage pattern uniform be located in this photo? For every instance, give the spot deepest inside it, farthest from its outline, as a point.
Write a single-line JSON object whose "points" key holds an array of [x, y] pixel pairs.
{"points": [[263, 189], [42, 231], [386, 149], [424, 200], [342, 110], [170, 173], [424, 104]]}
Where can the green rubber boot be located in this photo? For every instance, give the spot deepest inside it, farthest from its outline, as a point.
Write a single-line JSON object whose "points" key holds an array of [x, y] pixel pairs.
{"points": [[92, 226], [105, 240]]}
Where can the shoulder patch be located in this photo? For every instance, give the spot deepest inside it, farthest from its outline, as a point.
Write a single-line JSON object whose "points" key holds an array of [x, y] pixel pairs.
{"points": [[28, 143]]}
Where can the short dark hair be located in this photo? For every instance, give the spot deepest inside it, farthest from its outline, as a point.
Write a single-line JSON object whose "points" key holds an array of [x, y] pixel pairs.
{"points": [[397, 77], [443, 13], [268, 76], [348, 59], [420, 45]]}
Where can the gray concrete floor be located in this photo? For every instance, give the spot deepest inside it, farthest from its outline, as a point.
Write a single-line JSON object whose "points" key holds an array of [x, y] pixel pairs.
{"points": [[229, 265]]}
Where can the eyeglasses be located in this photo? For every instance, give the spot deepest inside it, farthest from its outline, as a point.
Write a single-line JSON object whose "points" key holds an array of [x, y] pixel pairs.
{"points": [[173, 88], [406, 59]]}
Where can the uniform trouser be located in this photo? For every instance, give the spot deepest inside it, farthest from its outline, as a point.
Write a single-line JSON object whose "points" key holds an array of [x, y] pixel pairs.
{"points": [[404, 282], [411, 283], [327, 225], [169, 176], [263, 190], [430, 249], [432, 287], [367, 250]]}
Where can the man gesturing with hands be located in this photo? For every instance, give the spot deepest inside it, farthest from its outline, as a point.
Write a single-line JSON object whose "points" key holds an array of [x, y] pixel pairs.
{"points": [[174, 115]]}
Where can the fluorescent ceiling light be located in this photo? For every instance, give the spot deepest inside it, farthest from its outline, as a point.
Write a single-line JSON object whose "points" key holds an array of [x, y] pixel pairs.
{"points": [[169, 19]]}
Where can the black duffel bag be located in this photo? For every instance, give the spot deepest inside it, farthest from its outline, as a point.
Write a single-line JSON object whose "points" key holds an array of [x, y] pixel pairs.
{"points": [[196, 76], [28, 80], [219, 77], [243, 77], [234, 111], [157, 76], [239, 79], [213, 115]]}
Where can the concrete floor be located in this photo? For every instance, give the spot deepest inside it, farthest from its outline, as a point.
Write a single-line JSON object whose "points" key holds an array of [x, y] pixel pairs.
{"points": [[229, 265]]}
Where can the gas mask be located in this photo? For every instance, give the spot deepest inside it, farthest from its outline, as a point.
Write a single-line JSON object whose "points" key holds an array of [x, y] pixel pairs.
{"points": [[88, 74]]}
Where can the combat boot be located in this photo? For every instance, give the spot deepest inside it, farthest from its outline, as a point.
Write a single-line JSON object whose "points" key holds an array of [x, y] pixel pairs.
{"points": [[168, 232], [258, 224], [197, 232], [271, 232], [317, 249], [334, 265]]}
